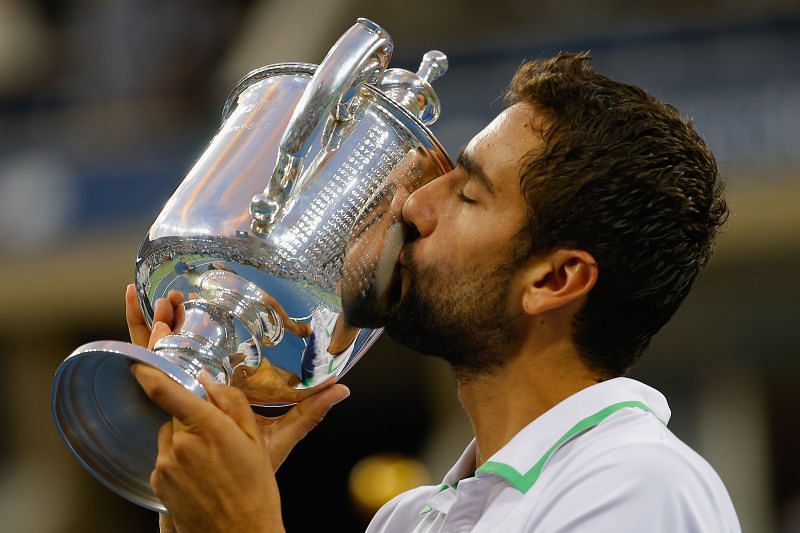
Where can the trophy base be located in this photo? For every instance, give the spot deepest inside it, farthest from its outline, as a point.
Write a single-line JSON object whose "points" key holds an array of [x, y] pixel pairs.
{"points": [[106, 419]]}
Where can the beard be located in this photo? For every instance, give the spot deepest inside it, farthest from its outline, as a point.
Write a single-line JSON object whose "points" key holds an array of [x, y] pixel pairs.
{"points": [[461, 317]]}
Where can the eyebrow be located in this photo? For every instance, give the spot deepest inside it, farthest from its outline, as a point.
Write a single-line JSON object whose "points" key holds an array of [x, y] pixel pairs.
{"points": [[474, 169]]}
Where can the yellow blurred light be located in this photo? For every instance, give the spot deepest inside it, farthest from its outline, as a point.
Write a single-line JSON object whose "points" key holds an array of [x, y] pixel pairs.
{"points": [[377, 479]]}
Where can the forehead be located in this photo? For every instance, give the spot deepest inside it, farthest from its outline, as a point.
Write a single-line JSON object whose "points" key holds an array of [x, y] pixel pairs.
{"points": [[500, 147]]}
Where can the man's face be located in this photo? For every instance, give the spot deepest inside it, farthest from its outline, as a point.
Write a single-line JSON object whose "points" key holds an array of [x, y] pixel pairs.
{"points": [[459, 298], [370, 275]]}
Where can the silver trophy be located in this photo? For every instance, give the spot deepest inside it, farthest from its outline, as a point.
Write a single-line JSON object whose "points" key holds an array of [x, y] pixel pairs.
{"points": [[279, 229]]}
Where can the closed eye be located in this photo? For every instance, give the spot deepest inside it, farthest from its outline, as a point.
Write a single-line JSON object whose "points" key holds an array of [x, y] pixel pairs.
{"points": [[466, 199]]}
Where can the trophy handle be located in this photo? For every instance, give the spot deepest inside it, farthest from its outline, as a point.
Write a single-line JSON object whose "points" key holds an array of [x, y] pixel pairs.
{"points": [[359, 56]]}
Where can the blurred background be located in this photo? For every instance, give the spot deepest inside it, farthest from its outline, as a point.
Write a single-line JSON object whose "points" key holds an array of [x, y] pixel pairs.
{"points": [[105, 104]]}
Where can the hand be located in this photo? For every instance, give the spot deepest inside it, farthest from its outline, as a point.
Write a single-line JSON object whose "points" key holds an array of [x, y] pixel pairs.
{"points": [[262, 385], [213, 471], [216, 460], [168, 310]]}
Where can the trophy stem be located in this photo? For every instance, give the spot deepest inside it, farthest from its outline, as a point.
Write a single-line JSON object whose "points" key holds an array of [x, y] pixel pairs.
{"points": [[204, 341], [207, 337]]}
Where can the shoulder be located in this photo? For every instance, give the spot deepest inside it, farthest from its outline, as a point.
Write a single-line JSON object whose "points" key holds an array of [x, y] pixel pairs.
{"points": [[402, 510], [637, 445], [632, 473]]}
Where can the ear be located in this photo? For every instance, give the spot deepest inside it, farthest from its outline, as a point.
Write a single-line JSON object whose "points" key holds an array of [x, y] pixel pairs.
{"points": [[558, 279]]}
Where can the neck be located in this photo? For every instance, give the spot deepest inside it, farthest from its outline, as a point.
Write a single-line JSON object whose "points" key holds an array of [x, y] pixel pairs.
{"points": [[502, 402]]}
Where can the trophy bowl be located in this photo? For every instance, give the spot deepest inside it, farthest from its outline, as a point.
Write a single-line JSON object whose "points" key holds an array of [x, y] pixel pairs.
{"points": [[282, 239]]}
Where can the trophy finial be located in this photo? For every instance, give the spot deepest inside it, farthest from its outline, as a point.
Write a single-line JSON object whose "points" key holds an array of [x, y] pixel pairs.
{"points": [[434, 64], [413, 91]]}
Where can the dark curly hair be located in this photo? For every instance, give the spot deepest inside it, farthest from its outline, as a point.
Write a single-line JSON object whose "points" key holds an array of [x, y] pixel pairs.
{"points": [[626, 178]]}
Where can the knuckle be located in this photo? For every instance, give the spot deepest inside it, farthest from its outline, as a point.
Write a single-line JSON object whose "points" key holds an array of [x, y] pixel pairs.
{"points": [[162, 467], [160, 475], [181, 446], [155, 482]]}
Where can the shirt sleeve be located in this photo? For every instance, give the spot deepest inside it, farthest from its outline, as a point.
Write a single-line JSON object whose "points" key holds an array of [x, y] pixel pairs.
{"points": [[378, 522], [637, 488]]}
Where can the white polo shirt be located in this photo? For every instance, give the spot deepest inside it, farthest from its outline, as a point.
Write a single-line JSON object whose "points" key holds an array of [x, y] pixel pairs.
{"points": [[602, 460]]}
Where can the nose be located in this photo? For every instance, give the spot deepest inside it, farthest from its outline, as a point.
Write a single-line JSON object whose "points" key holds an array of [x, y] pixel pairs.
{"points": [[419, 209]]}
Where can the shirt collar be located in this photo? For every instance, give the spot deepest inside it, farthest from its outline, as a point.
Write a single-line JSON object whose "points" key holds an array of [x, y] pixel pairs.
{"points": [[464, 467], [520, 461]]}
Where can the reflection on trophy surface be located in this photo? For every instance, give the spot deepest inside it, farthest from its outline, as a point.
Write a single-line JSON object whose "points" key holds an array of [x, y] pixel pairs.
{"points": [[369, 279], [283, 241], [367, 287]]}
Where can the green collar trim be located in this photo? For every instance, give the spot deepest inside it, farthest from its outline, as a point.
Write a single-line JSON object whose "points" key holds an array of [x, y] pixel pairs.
{"points": [[523, 482]]}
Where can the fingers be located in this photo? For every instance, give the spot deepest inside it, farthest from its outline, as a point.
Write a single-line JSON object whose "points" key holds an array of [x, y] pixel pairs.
{"points": [[176, 300], [232, 402], [165, 438], [168, 310], [164, 312], [302, 418], [171, 396], [160, 330], [137, 326], [164, 457]]}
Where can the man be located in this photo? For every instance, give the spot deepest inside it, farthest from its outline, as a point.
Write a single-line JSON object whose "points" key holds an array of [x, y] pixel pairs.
{"points": [[540, 267]]}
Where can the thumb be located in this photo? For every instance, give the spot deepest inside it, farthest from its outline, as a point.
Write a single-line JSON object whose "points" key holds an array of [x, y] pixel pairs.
{"points": [[290, 429]]}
